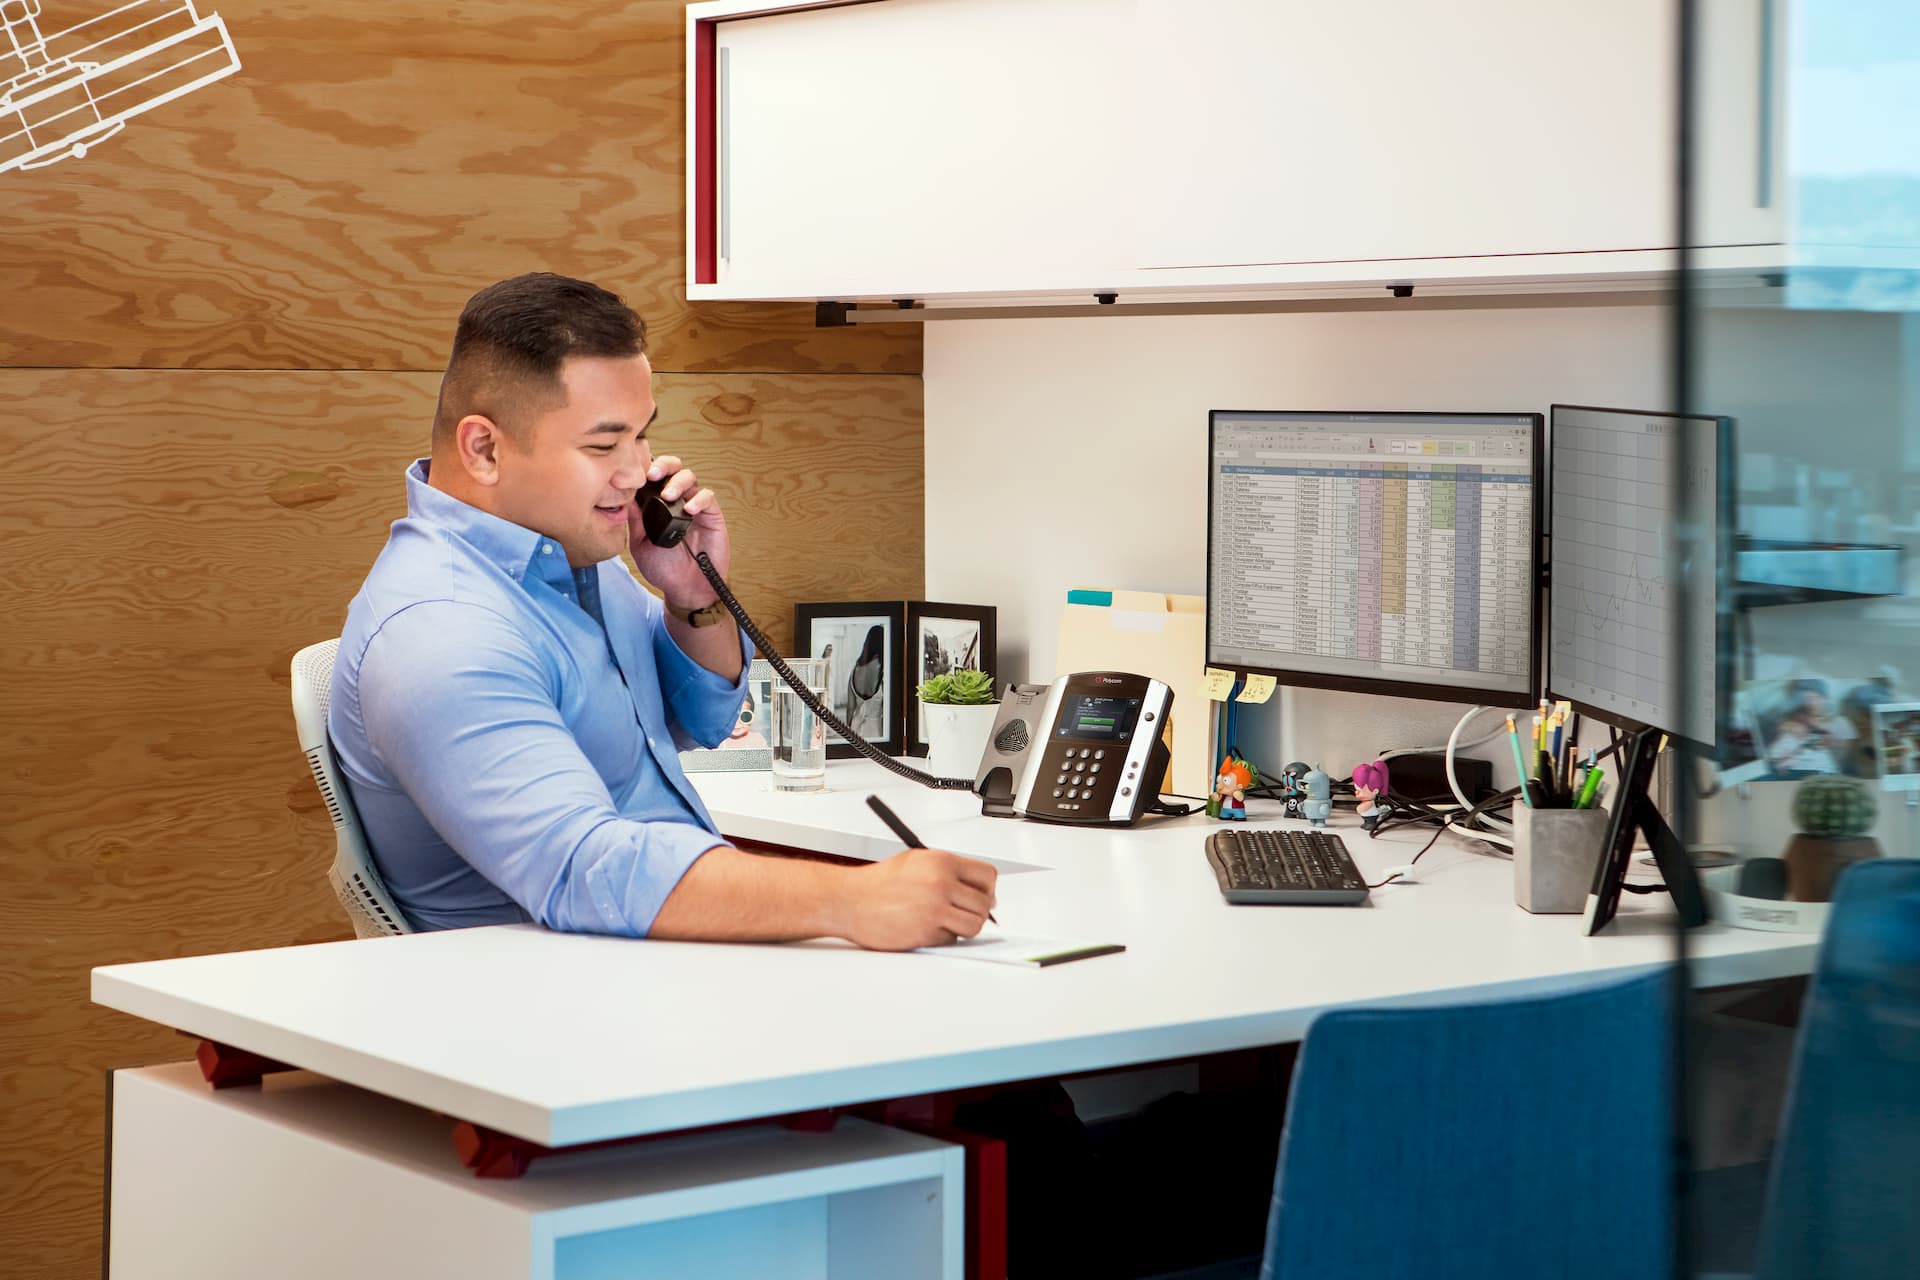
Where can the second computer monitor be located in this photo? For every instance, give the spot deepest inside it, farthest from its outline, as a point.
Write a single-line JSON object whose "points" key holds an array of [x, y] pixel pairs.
{"points": [[1641, 506], [1394, 553]]}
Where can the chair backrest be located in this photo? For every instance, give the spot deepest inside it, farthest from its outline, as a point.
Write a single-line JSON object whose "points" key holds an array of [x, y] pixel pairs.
{"points": [[1845, 1195], [1515, 1137], [356, 882]]}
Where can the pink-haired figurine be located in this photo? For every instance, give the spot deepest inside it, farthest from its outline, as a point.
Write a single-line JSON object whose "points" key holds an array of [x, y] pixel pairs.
{"points": [[1370, 789]]}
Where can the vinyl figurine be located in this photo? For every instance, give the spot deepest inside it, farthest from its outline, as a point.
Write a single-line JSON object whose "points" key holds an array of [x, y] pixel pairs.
{"points": [[1319, 802], [1370, 788], [1229, 799], [1293, 789]]}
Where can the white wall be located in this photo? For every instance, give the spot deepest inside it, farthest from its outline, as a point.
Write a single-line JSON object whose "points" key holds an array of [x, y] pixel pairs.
{"points": [[1071, 453]]}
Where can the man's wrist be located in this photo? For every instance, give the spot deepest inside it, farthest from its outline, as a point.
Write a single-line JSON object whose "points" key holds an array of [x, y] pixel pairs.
{"points": [[705, 613], [840, 906]]}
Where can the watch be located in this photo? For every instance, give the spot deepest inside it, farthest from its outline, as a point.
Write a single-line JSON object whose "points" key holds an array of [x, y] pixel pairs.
{"points": [[711, 615]]}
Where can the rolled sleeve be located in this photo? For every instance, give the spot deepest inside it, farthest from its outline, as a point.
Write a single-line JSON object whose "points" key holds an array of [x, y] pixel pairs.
{"points": [[464, 714], [702, 706]]}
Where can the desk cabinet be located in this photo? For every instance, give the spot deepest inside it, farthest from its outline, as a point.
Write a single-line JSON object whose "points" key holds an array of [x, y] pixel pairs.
{"points": [[1019, 150], [303, 1178]]}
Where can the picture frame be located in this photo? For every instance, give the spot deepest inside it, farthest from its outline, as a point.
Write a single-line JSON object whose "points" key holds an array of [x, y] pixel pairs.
{"points": [[1896, 745], [940, 638], [745, 749], [868, 699]]}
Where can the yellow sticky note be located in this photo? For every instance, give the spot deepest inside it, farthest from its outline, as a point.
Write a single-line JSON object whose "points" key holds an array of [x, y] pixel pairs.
{"points": [[1259, 689], [1219, 684]]}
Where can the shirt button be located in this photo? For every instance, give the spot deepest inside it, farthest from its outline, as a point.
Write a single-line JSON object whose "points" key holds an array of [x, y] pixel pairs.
{"points": [[546, 548]]}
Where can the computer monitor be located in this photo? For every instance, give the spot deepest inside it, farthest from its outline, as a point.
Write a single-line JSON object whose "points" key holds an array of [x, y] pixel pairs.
{"points": [[1393, 553], [1641, 548], [1639, 618]]}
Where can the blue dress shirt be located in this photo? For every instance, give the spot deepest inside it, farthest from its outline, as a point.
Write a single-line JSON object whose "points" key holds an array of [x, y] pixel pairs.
{"points": [[510, 758]]}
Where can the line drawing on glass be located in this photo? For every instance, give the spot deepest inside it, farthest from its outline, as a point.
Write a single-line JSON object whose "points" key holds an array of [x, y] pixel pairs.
{"points": [[70, 91]]}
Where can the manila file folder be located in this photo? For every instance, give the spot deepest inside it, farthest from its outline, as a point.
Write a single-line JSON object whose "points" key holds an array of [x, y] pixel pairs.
{"points": [[1150, 634]]}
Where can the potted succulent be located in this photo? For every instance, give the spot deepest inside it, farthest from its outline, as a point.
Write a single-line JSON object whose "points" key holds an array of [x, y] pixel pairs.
{"points": [[1833, 814], [957, 711]]}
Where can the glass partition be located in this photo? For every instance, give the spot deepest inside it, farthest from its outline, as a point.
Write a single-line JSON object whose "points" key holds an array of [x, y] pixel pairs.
{"points": [[1800, 321]]}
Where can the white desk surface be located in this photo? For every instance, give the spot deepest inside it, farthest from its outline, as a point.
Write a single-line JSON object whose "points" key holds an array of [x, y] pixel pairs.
{"points": [[564, 1039]]}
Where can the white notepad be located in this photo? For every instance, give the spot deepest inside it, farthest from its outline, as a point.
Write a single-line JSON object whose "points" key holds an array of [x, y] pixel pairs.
{"points": [[1031, 950]]}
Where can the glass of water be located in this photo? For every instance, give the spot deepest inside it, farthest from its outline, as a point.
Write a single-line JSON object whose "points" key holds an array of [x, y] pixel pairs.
{"points": [[799, 737]]}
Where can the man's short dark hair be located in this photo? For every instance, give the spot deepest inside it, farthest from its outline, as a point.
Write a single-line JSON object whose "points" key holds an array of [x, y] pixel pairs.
{"points": [[512, 339]]}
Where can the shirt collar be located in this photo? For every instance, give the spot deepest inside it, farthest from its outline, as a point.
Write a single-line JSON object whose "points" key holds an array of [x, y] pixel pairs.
{"points": [[514, 549]]}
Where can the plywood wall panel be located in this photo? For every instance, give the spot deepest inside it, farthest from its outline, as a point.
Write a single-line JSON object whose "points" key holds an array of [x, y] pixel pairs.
{"points": [[372, 163], [219, 347], [173, 537]]}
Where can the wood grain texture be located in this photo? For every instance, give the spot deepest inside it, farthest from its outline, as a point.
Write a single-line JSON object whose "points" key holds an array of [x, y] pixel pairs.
{"points": [[173, 537], [374, 162]]}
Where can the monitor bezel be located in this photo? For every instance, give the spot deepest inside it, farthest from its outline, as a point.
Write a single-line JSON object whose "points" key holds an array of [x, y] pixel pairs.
{"points": [[1382, 685], [1725, 494]]}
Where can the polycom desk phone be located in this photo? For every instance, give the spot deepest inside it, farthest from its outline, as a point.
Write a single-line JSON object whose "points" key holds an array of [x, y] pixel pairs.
{"points": [[1086, 749], [1089, 748]]}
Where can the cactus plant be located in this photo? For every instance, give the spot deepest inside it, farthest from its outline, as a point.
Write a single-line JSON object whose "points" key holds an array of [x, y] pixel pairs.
{"points": [[1834, 807], [1833, 814]]}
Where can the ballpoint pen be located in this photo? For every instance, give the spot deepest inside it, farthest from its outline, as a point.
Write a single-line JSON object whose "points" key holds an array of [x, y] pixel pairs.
{"points": [[1591, 789], [901, 829]]}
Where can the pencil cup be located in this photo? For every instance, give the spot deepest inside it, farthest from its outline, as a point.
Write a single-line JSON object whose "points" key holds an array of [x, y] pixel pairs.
{"points": [[1554, 854]]}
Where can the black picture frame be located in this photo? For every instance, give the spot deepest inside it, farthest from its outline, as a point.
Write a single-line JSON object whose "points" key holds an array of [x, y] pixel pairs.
{"points": [[835, 623], [944, 624]]}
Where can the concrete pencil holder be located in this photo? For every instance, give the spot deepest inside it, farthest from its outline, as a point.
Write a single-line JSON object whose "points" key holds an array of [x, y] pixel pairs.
{"points": [[1554, 854]]}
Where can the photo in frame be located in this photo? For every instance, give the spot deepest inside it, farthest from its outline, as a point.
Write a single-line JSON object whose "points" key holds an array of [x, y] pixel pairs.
{"points": [[1805, 724], [745, 749], [864, 645], [942, 638], [1896, 739]]}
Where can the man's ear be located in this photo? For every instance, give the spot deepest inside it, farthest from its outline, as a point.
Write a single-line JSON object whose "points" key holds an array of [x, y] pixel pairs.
{"points": [[477, 440]]}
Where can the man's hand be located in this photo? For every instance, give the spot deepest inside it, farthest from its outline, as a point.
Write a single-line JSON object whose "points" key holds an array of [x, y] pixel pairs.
{"points": [[671, 569], [919, 898]]}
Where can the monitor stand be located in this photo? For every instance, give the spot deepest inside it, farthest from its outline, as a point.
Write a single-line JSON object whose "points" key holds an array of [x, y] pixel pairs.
{"points": [[1634, 810]]}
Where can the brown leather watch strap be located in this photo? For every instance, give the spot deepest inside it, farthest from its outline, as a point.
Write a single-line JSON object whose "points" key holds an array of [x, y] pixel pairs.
{"points": [[711, 615]]}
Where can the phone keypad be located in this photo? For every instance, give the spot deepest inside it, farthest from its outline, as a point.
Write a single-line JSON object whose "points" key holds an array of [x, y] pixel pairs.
{"points": [[1079, 785]]}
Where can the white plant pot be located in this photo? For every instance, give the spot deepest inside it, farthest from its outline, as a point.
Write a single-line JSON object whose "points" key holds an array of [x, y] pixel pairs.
{"points": [[956, 737]]}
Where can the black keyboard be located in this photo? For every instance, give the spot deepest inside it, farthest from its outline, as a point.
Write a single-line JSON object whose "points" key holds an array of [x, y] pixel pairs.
{"points": [[1299, 868]]}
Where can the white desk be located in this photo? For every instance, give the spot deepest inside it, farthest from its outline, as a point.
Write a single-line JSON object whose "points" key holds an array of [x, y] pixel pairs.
{"points": [[563, 1039]]}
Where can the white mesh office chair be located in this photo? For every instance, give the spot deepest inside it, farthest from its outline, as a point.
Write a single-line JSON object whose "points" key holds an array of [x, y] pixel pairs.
{"points": [[355, 881]]}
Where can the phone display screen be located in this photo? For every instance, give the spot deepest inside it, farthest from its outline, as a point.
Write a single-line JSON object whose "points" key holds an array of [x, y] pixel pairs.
{"points": [[1100, 719]]}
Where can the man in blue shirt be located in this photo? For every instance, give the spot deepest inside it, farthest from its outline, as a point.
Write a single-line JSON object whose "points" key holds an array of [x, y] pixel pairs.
{"points": [[508, 700]]}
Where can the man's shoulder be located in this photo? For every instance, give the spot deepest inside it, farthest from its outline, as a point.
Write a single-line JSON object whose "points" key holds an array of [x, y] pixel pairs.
{"points": [[435, 582], [423, 563]]}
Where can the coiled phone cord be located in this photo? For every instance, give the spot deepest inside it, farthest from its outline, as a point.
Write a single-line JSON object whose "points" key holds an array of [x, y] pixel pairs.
{"points": [[779, 664]]}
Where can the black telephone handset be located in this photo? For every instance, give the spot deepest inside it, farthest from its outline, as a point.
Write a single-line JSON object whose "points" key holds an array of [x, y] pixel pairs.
{"points": [[665, 522]]}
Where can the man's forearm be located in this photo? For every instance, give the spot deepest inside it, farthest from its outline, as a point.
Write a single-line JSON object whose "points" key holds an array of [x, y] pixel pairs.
{"points": [[730, 896], [718, 649]]}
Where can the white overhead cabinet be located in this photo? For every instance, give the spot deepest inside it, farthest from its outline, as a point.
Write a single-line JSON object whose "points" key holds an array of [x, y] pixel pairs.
{"points": [[1739, 106], [918, 146], [1035, 149], [1305, 131]]}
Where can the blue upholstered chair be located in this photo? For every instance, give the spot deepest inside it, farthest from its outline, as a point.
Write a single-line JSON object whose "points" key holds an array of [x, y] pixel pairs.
{"points": [[1506, 1139], [1845, 1195]]}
